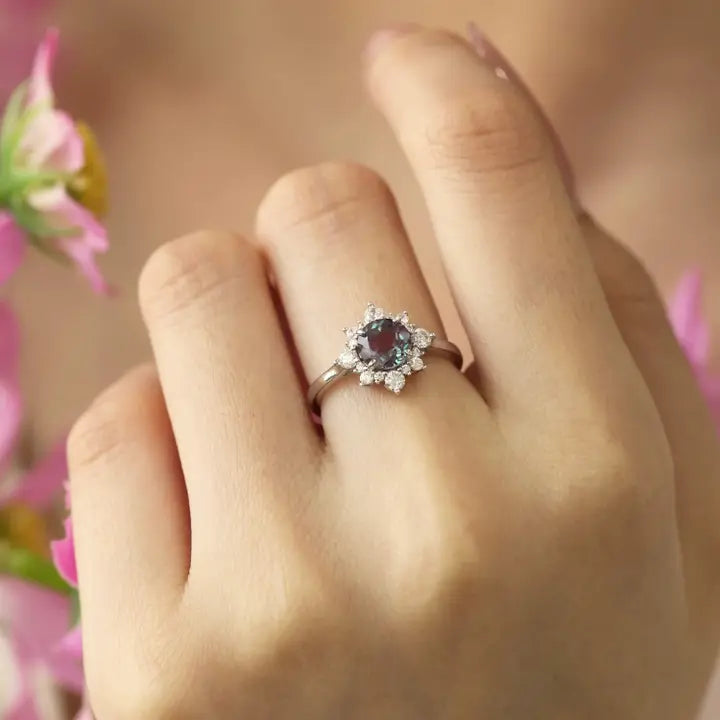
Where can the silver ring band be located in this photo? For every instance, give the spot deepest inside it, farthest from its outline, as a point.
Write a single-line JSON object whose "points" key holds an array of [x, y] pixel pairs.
{"points": [[440, 348], [382, 349]]}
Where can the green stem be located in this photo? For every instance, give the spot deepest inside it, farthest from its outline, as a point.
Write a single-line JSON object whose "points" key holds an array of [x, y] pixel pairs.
{"points": [[20, 182], [26, 565]]}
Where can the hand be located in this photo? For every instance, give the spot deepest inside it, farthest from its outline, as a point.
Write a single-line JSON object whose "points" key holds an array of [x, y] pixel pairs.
{"points": [[537, 538]]}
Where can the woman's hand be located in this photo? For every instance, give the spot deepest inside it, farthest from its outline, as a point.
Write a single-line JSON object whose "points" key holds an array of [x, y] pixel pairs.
{"points": [[536, 538]]}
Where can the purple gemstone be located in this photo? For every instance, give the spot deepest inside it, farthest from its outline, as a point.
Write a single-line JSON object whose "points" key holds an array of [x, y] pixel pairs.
{"points": [[384, 344]]}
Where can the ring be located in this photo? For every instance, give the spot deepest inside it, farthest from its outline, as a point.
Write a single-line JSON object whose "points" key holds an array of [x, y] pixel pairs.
{"points": [[383, 349]]}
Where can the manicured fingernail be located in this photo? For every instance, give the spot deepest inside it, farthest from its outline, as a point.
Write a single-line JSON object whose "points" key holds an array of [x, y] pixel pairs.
{"points": [[503, 69], [383, 37]]}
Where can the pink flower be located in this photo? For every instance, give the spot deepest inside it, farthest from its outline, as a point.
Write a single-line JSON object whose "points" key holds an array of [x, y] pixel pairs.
{"points": [[63, 554], [693, 332], [37, 652], [38, 488], [37, 659], [52, 180], [10, 402]]}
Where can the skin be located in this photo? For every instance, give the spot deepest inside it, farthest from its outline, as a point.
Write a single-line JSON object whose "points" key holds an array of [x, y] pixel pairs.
{"points": [[200, 107], [534, 538]]}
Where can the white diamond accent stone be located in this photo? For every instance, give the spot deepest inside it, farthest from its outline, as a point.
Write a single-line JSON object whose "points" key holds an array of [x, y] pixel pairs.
{"points": [[379, 313], [405, 369], [395, 381], [369, 314], [417, 364], [360, 367], [422, 338], [379, 377], [347, 360], [367, 377]]}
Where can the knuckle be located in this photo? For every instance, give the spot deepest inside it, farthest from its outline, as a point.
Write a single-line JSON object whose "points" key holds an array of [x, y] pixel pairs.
{"points": [[324, 199], [445, 562], [294, 611], [184, 271], [458, 115], [299, 633], [484, 130], [611, 491], [102, 430]]}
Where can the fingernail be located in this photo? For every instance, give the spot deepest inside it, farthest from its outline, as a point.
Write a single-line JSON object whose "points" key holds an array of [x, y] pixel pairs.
{"points": [[383, 37], [503, 69]]}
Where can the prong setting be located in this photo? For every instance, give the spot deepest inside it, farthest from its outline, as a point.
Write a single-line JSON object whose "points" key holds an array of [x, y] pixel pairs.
{"points": [[384, 348]]}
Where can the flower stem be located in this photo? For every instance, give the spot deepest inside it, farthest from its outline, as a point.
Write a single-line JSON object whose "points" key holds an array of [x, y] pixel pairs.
{"points": [[19, 183], [26, 565]]}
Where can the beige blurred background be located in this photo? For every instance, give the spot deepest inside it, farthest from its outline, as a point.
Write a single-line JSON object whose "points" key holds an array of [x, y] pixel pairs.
{"points": [[201, 105]]}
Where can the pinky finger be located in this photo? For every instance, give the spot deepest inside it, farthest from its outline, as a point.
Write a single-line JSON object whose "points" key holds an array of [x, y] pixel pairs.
{"points": [[642, 320], [130, 512]]}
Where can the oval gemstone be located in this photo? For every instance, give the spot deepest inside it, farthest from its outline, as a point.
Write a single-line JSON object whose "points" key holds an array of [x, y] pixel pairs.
{"points": [[385, 343]]}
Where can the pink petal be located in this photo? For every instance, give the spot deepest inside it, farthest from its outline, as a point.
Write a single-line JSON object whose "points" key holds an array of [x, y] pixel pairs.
{"points": [[26, 710], [710, 387], [36, 618], [71, 644], [63, 555], [36, 621], [10, 418], [65, 663], [12, 246], [10, 399], [686, 317], [57, 204], [39, 487], [63, 212], [51, 142], [40, 85], [80, 251], [12, 688]]}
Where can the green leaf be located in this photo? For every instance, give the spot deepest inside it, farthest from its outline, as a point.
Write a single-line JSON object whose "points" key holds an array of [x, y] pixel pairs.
{"points": [[26, 565], [74, 608]]}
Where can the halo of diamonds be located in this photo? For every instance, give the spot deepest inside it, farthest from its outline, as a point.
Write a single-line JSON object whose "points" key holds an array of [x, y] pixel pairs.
{"points": [[410, 361]]}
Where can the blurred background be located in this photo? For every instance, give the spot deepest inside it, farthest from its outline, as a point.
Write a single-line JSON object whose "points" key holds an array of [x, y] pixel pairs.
{"points": [[199, 106]]}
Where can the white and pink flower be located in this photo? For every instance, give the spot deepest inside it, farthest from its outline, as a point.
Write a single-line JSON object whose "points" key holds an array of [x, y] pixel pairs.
{"points": [[52, 180]]}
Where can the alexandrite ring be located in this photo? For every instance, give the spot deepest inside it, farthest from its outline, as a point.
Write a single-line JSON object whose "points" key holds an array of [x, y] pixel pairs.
{"points": [[383, 349]]}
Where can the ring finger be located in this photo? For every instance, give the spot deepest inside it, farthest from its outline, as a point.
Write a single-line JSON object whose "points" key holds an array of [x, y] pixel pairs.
{"points": [[335, 241]]}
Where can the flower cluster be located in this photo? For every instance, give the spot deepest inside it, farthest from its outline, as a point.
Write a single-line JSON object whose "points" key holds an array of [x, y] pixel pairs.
{"points": [[52, 179], [52, 196], [35, 601]]}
